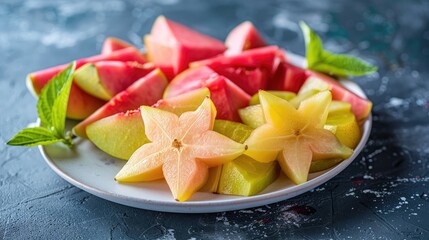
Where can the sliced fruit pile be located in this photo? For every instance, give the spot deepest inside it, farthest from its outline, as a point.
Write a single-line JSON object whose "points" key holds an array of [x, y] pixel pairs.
{"points": [[207, 115]]}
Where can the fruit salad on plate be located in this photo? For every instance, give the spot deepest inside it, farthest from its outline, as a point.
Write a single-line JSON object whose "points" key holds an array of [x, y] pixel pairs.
{"points": [[205, 115]]}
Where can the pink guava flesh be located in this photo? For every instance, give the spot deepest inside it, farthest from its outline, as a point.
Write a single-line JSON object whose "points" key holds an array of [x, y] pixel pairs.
{"points": [[173, 44], [251, 80], [80, 104], [243, 37], [112, 44], [226, 96], [116, 76], [263, 57], [287, 78]]}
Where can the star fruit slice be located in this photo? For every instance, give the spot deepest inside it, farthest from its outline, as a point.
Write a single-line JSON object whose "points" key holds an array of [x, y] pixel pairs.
{"points": [[286, 95], [120, 135], [295, 137], [240, 132], [181, 151]]}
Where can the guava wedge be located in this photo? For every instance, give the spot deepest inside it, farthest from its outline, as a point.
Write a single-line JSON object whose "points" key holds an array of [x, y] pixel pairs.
{"points": [[227, 96], [263, 58], [360, 107], [145, 91], [122, 134], [287, 78], [173, 44], [250, 70], [112, 44], [80, 105], [188, 80], [168, 72], [295, 137], [243, 37], [105, 79], [248, 79], [163, 57], [159, 54], [37, 80], [279, 59], [119, 135], [181, 150]]}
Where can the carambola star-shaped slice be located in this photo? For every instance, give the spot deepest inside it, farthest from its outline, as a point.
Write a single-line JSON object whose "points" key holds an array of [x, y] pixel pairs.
{"points": [[181, 150], [295, 137]]}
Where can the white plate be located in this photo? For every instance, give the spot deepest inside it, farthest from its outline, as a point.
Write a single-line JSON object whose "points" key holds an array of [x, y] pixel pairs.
{"points": [[93, 171]]}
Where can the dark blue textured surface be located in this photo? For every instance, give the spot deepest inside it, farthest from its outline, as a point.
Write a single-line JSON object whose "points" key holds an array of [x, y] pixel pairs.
{"points": [[382, 195]]}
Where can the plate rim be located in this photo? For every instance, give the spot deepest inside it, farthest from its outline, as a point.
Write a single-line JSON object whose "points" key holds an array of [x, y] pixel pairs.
{"points": [[224, 204]]}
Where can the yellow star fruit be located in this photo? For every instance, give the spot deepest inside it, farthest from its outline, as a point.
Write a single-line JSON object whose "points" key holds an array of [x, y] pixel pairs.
{"points": [[295, 137]]}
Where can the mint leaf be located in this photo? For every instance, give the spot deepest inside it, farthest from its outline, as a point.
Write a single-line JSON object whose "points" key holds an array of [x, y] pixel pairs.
{"points": [[321, 60], [52, 108], [33, 137], [313, 44], [342, 65], [59, 109], [52, 104]]}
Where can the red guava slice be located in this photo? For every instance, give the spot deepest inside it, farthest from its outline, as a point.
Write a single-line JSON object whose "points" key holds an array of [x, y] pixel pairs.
{"points": [[173, 44], [105, 79], [163, 58], [81, 105], [112, 44], [37, 80], [145, 91], [243, 37], [168, 72], [361, 107], [248, 79], [188, 80], [226, 96], [287, 78], [280, 58], [263, 57], [157, 53]]}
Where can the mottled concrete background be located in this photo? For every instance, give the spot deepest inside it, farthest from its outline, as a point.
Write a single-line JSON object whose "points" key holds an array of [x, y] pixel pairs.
{"points": [[382, 195]]}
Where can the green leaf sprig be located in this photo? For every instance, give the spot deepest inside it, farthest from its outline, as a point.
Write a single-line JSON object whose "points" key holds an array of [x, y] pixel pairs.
{"points": [[51, 107], [321, 60]]}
